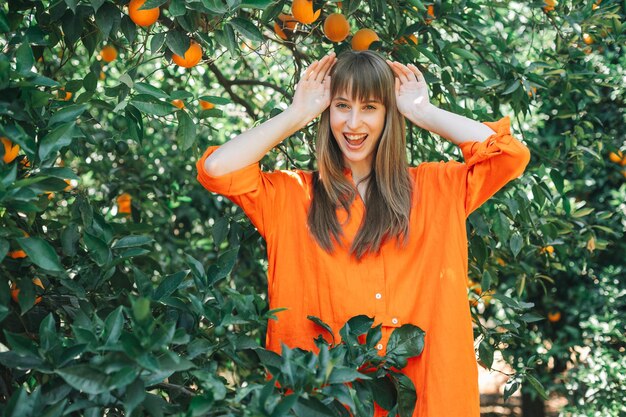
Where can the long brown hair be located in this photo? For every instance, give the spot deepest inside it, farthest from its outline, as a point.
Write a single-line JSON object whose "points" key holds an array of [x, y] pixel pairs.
{"points": [[363, 75]]}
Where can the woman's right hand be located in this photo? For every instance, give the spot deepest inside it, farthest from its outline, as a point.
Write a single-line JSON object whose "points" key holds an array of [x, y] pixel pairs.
{"points": [[312, 94]]}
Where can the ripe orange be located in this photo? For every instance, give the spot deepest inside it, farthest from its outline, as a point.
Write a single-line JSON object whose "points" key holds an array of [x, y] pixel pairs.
{"points": [[16, 291], [587, 38], [500, 261], [549, 5], [10, 150], [16, 254], [363, 38], [124, 203], [102, 75], [289, 22], [64, 95], [279, 31], [616, 157], [406, 39], [192, 56], [142, 17], [548, 249], [178, 103], [108, 53], [206, 105], [430, 12], [336, 27], [554, 316], [302, 11]]}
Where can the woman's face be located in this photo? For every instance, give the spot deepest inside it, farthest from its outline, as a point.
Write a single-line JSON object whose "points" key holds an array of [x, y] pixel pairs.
{"points": [[357, 127]]}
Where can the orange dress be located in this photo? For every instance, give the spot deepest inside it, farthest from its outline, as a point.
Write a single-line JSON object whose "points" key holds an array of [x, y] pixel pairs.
{"points": [[424, 283]]}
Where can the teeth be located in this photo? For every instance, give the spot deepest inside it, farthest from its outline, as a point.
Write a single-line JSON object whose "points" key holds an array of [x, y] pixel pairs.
{"points": [[354, 137]]}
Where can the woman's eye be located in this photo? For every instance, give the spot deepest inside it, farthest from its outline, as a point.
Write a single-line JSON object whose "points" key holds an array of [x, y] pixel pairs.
{"points": [[341, 105], [371, 107]]}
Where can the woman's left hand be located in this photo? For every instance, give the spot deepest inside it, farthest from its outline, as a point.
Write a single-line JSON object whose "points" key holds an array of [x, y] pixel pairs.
{"points": [[411, 89]]}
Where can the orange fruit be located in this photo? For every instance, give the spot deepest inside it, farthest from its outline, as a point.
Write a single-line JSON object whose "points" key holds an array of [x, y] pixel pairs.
{"points": [[25, 162], [288, 21], [594, 6], [178, 103], [500, 261], [363, 38], [16, 254], [532, 91], [406, 39], [430, 14], [206, 105], [69, 185], [16, 291], [108, 53], [142, 17], [554, 316], [64, 95], [336, 27], [302, 11], [193, 55], [587, 38], [10, 150], [102, 75], [124, 203], [279, 31], [616, 157], [548, 249]]}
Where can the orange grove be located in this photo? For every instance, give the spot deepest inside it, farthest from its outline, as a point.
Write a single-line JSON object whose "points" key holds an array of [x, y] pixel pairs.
{"points": [[336, 27], [302, 11], [145, 17], [363, 38], [191, 58], [10, 150]]}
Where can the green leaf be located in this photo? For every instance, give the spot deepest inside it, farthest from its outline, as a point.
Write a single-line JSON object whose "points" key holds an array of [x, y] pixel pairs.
{"points": [[98, 249], [247, 29], [141, 308], [534, 382], [67, 114], [41, 253], [485, 352], [514, 85], [169, 285], [255, 4], [177, 42], [157, 42], [311, 407], [108, 17], [85, 378], [177, 8], [323, 325], [25, 59], [155, 109], [219, 230], [407, 397], [186, 132], [60, 137], [407, 339], [113, 326], [132, 241], [464, 53], [145, 88], [515, 243], [48, 338], [341, 375]]}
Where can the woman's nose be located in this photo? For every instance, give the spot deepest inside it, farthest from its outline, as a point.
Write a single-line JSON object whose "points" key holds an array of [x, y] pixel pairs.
{"points": [[354, 119]]}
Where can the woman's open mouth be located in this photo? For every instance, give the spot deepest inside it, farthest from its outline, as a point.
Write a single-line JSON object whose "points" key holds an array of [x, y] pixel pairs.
{"points": [[354, 141]]}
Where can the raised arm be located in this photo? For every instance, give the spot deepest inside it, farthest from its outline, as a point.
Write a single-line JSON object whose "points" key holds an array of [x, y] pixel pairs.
{"points": [[414, 104], [312, 97]]}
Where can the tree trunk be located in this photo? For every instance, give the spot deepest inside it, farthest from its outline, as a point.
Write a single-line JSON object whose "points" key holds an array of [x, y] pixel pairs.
{"points": [[532, 406]]}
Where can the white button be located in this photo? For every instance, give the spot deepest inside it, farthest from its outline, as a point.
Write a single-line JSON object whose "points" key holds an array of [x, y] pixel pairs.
{"points": [[379, 296], [394, 320], [379, 346]]}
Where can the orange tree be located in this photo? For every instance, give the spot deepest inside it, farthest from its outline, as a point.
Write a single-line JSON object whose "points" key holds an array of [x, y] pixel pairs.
{"points": [[152, 298]]}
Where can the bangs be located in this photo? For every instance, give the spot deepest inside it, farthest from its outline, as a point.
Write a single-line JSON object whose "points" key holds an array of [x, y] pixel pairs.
{"points": [[360, 78]]}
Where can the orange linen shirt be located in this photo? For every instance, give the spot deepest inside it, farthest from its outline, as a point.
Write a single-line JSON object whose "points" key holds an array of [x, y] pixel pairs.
{"points": [[424, 283]]}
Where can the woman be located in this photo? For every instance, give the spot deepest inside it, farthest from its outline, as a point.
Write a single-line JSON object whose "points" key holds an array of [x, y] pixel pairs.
{"points": [[367, 234]]}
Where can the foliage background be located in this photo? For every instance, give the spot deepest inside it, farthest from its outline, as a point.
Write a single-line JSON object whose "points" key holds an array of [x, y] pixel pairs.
{"points": [[163, 311]]}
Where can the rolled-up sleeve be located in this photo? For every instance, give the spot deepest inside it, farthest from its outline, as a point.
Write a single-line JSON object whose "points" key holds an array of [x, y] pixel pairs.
{"points": [[249, 188], [491, 164]]}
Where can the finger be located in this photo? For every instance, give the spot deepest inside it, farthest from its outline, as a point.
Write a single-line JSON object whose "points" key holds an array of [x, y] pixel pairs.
{"points": [[311, 70], [405, 74], [325, 68], [397, 86], [417, 72]]}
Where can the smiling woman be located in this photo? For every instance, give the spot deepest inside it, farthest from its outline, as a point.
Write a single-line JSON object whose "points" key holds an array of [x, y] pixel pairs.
{"points": [[398, 253]]}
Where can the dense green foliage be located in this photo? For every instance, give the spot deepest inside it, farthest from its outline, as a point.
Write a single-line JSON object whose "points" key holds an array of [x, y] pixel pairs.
{"points": [[161, 309]]}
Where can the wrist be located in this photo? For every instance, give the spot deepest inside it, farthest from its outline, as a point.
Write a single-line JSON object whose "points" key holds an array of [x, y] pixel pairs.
{"points": [[422, 116]]}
